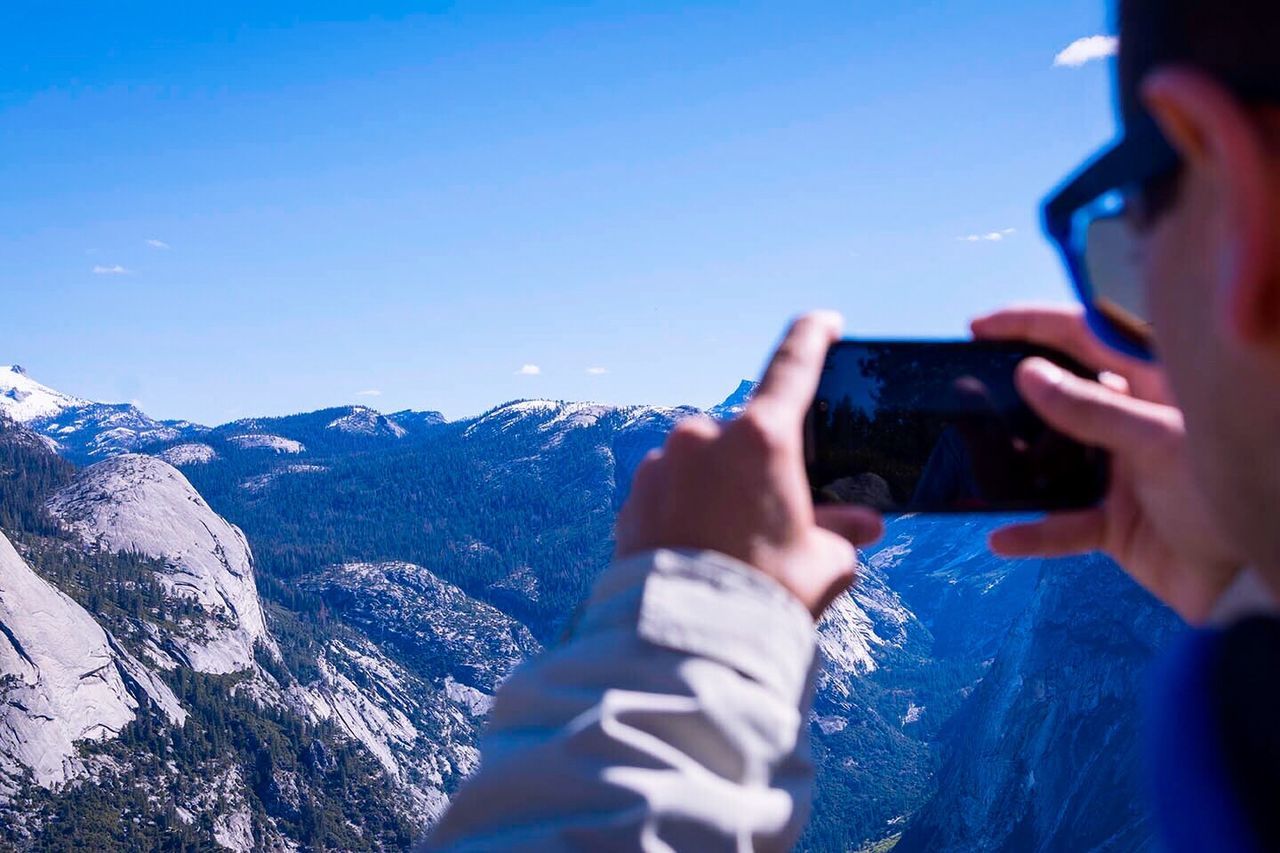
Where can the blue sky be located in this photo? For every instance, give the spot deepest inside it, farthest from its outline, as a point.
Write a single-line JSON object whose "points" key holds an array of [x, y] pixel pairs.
{"points": [[262, 208]]}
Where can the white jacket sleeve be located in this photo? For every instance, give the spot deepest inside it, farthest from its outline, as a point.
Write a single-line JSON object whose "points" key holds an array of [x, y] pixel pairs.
{"points": [[674, 719]]}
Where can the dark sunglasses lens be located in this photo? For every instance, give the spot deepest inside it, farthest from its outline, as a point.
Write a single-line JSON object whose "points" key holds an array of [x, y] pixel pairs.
{"points": [[1107, 247]]}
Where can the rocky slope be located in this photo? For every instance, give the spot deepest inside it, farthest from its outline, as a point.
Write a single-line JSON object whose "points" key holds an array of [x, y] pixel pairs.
{"points": [[438, 630], [63, 680], [1051, 737], [415, 679], [143, 505]]}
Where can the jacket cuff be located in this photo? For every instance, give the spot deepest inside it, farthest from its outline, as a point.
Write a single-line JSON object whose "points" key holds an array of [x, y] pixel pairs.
{"points": [[706, 604]]}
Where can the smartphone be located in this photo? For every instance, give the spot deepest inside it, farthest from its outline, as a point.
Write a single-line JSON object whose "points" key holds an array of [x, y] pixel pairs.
{"points": [[938, 427]]}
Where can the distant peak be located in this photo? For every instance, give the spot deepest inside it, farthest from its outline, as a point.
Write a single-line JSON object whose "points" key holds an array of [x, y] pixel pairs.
{"points": [[740, 396], [24, 399]]}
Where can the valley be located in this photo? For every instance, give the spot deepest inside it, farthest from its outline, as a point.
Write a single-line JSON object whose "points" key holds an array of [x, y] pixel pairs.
{"points": [[289, 630]]}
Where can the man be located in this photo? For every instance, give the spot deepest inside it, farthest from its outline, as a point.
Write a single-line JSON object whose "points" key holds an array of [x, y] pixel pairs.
{"points": [[675, 718]]}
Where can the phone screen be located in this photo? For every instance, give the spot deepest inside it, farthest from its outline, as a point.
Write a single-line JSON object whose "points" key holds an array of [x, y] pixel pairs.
{"points": [[939, 427]]}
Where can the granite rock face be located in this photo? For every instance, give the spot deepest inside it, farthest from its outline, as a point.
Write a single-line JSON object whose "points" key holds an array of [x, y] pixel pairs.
{"points": [[142, 504], [1052, 735], [63, 679], [434, 626]]}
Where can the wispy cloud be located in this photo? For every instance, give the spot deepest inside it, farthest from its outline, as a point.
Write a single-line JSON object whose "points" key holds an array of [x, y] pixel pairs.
{"points": [[990, 236], [158, 244], [1086, 50], [529, 370], [369, 392], [597, 371], [115, 269]]}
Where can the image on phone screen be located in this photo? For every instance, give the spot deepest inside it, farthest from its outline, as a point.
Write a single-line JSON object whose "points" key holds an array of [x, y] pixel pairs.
{"points": [[939, 427]]}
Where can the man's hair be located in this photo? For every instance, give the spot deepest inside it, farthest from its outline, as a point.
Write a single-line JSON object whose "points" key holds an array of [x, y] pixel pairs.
{"points": [[1235, 41]]}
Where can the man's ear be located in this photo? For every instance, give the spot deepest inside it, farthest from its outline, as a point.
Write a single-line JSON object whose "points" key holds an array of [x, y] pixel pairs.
{"points": [[1220, 142]]}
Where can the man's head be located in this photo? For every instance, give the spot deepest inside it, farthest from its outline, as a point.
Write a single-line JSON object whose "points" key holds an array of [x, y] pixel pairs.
{"points": [[1208, 72]]}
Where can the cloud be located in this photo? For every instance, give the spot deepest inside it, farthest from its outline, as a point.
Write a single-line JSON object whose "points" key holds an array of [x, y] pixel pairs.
{"points": [[597, 371], [370, 392], [115, 269], [990, 236], [1085, 50], [158, 244], [529, 370]]}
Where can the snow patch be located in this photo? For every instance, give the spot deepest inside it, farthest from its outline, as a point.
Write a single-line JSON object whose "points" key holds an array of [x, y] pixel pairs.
{"points": [[505, 417]]}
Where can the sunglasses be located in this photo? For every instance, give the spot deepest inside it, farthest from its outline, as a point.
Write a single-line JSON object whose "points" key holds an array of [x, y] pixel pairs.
{"points": [[1097, 218]]}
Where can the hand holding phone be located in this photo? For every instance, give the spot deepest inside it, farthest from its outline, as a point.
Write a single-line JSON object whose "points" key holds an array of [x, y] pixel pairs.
{"points": [[739, 489], [1155, 520], [908, 426]]}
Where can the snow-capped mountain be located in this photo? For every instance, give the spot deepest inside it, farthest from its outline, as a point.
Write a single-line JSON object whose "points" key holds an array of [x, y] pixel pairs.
{"points": [[25, 400], [416, 421], [86, 431], [81, 429]]}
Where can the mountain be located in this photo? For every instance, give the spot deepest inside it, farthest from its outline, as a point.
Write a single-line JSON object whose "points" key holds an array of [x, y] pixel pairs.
{"points": [[143, 505], [1051, 737], [735, 402], [135, 653], [79, 429], [515, 508], [412, 421], [24, 400], [330, 600], [437, 629], [65, 681]]}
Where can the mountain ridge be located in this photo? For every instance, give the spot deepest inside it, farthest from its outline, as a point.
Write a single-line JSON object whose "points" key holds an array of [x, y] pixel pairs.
{"points": [[400, 576]]}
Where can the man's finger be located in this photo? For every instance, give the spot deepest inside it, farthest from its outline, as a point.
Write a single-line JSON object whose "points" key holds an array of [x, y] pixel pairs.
{"points": [[1059, 327], [840, 563], [859, 525], [1060, 535], [1092, 413], [1064, 329], [791, 379]]}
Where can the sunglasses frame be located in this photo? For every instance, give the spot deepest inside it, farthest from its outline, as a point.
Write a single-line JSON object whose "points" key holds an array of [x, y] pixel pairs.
{"points": [[1140, 157]]}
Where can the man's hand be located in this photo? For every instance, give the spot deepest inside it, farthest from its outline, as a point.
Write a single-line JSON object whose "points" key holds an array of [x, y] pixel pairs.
{"points": [[1154, 521], [741, 489]]}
